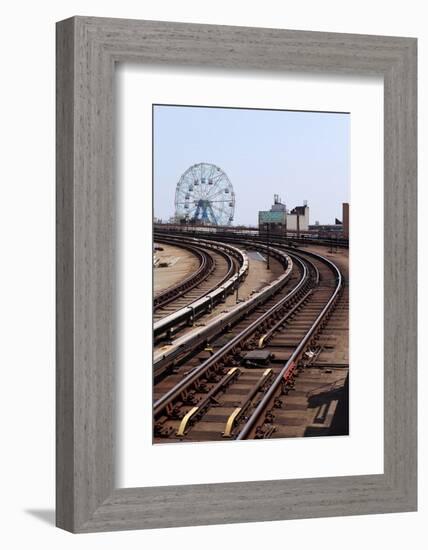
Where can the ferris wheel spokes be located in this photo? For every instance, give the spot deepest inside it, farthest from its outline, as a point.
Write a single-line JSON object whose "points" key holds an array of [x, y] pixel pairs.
{"points": [[205, 195]]}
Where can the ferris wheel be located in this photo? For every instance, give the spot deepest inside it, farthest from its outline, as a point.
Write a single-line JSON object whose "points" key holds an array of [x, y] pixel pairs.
{"points": [[205, 195]]}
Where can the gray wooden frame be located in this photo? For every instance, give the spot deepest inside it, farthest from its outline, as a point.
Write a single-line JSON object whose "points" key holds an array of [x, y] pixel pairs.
{"points": [[87, 50]]}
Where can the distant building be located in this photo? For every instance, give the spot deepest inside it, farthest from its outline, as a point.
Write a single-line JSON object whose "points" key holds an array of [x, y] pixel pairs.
{"points": [[327, 227], [298, 218], [345, 214], [280, 220], [274, 219], [339, 227]]}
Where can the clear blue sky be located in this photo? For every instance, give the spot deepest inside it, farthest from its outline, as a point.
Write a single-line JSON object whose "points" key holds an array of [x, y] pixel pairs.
{"points": [[298, 155]]}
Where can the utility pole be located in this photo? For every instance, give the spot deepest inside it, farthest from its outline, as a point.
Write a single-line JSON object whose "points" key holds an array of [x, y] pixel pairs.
{"points": [[268, 246]]}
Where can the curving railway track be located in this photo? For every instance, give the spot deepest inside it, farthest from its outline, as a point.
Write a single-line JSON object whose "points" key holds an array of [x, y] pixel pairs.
{"points": [[222, 269], [235, 378], [174, 292], [216, 266]]}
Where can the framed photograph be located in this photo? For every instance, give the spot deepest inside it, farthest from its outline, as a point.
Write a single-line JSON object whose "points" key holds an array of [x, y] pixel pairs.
{"points": [[236, 274], [238, 349]]}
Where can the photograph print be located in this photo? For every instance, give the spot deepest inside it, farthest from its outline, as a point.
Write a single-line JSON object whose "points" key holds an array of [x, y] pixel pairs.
{"points": [[250, 273]]}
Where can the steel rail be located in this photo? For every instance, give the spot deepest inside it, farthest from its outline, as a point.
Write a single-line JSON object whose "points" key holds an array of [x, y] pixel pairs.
{"points": [[183, 292], [240, 410], [187, 314], [283, 319], [206, 267], [220, 233], [198, 411], [289, 366], [224, 320], [186, 383]]}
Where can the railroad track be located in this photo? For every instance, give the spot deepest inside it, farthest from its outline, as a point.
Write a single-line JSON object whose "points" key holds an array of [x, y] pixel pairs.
{"points": [[225, 233], [167, 356], [227, 265], [173, 292], [216, 266], [229, 382]]}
